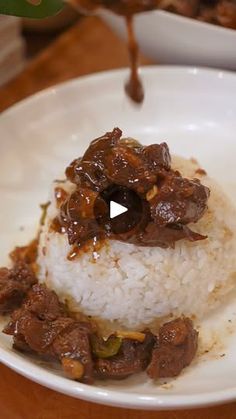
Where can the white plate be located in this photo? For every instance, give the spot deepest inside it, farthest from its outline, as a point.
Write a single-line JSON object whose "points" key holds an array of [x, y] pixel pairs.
{"points": [[171, 39], [195, 110]]}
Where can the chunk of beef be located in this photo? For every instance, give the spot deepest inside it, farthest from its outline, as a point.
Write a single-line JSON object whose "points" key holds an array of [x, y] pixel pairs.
{"points": [[40, 334], [174, 350], [42, 326], [44, 304], [132, 357], [89, 171], [14, 284], [110, 161], [136, 168], [78, 218], [74, 343], [157, 157], [80, 205], [124, 166], [164, 237], [179, 201], [39, 320]]}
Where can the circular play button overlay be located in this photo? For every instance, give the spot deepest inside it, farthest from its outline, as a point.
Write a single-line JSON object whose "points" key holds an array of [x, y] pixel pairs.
{"points": [[122, 211]]}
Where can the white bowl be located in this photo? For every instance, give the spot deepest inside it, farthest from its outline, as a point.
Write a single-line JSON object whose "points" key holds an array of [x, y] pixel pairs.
{"points": [[172, 39]]}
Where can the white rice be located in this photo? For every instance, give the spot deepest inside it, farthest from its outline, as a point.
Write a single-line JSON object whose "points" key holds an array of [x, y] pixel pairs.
{"points": [[138, 285]]}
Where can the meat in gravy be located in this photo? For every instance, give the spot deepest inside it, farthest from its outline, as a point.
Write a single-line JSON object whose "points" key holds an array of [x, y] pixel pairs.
{"points": [[42, 326], [169, 202]]}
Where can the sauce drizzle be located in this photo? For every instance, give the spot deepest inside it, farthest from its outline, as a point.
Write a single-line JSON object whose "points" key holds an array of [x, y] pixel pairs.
{"points": [[133, 87]]}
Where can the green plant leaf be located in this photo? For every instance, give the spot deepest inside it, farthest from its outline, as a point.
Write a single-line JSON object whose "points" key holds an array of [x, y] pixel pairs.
{"points": [[24, 9]]}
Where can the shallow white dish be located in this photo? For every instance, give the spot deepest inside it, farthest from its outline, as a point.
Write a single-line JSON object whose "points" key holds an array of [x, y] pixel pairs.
{"points": [[171, 39], [195, 110]]}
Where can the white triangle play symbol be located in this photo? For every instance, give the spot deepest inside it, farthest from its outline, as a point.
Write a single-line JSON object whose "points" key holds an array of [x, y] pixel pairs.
{"points": [[116, 209]]}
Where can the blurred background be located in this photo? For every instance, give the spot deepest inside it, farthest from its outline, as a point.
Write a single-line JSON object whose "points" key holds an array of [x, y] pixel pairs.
{"points": [[23, 39], [188, 32]]}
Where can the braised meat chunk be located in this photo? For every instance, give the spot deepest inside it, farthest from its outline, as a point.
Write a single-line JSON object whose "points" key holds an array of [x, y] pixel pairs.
{"points": [[44, 304], [14, 284], [178, 201], [42, 326], [174, 349], [110, 160], [77, 216], [73, 345], [154, 236], [89, 171]]}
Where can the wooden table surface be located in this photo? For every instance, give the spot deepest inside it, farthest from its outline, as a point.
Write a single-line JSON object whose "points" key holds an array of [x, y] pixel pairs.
{"points": [[88, 47]]}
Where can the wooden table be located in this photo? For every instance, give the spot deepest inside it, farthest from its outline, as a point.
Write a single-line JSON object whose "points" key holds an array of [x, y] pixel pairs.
{"points": [[88, 47]]}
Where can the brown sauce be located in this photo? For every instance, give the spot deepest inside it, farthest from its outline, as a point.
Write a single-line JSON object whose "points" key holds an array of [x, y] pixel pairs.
{"points": [[133, 87]]}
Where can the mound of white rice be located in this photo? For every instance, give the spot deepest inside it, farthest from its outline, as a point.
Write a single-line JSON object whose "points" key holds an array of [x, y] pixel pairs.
{"points": [[136, 285]]}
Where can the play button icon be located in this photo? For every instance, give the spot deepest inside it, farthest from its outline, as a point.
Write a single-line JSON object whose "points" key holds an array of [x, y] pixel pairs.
{"points": [[116, 209]]}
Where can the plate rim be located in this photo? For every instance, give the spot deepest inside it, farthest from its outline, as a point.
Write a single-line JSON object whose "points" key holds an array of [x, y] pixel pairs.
{"points": [[91, 392], [114, 398], [195, 71]]}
